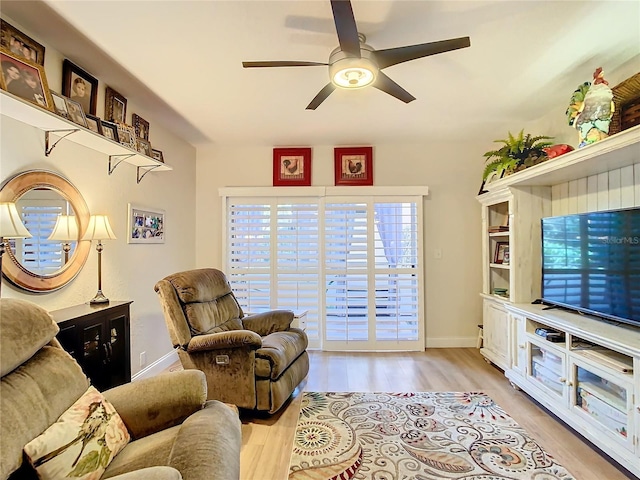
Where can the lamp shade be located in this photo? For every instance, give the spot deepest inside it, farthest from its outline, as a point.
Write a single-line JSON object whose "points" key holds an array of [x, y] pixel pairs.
{"points": [[99, 229], [11, 225], [66, 228]]}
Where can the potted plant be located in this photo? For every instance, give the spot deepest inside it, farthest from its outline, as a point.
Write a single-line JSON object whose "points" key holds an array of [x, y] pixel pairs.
{"points": [[517, 153]]}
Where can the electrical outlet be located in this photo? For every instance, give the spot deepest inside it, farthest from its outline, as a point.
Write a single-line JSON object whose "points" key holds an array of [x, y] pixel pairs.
{"points": [[143, 359]]}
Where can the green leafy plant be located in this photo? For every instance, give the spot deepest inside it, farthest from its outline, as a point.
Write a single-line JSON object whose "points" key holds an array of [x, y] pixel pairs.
{"points": [[516, 153]]}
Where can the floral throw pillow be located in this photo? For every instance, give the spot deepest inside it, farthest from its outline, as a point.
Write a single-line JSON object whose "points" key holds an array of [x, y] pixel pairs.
{"points": [[83, 441]]}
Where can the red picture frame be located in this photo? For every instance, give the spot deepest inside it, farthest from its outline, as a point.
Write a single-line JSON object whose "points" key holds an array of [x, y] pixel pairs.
{"points": [[353, 165], [292, 167]]}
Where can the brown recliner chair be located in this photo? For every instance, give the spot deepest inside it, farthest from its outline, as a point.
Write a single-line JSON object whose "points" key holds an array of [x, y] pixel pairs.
{"points": [[175, 432], [254, 362]]}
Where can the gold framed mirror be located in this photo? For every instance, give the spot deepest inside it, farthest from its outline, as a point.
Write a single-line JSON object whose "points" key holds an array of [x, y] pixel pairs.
{"points": [[38, 264]]}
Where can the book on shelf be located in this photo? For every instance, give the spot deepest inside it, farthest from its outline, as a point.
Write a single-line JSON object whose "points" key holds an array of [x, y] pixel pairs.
{"points": [[498, 228]]}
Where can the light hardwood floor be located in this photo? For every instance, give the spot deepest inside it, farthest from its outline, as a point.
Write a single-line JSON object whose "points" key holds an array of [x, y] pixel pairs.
{"points": [[267, 441]]}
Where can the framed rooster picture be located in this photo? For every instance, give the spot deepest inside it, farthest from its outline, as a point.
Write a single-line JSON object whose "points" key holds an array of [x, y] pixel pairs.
{"points": [[292, 167], [353, 165]]}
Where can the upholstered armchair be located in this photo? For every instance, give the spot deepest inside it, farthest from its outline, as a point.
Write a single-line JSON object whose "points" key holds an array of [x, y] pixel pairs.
{"points": [[167, 430], [254, 362]]}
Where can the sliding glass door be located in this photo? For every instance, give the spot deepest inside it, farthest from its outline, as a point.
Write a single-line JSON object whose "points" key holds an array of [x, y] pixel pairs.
{"points": [[354, 264]]}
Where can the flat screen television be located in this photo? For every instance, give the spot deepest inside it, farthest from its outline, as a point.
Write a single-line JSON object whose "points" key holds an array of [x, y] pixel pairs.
{"points": [[591, 264]]}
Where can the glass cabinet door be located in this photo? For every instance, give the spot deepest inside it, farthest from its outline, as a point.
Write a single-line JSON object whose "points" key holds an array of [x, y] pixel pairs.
{"points": [[94, 353], [547, 368], [118, 347], [605, 400]]}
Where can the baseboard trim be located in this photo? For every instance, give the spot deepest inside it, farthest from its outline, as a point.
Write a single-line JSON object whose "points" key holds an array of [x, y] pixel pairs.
{"points": [[157, 367], [452, 342]]}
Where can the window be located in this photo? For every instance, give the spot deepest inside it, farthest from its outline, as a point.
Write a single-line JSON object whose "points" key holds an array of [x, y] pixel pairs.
{"points": [[353, 263]]}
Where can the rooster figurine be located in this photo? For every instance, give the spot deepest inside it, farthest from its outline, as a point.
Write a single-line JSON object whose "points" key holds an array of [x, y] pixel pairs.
{"points": [[591, 109]]}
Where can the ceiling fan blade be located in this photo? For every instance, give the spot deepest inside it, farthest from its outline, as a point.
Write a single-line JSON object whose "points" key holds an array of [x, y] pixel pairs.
{"points": [[321, 96], [387, 85], [284, 63], [346, 27], [393, 56]]}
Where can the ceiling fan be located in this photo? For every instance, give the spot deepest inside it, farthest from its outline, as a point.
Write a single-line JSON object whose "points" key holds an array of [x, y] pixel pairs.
{"points": [[354, 64]]}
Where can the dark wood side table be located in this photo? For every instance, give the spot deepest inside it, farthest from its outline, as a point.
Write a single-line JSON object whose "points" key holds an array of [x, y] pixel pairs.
{"points": [[97, 336]]}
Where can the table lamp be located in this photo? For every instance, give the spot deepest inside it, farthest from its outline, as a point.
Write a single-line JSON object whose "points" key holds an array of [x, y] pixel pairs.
{"points": [[65, 230], [99, 229], [11, 226]]}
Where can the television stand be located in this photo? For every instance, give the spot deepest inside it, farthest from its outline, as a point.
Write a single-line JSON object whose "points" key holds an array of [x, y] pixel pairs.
{"points": [[590, 380]]}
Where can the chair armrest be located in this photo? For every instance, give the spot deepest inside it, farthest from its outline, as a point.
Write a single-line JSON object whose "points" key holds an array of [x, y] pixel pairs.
{"points": [[224, 340], [265, 323], [154, 404], [150, 473]]}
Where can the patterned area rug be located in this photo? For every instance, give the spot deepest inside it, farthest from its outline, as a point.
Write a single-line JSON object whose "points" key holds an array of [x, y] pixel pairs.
{"points": [[402, 436]]}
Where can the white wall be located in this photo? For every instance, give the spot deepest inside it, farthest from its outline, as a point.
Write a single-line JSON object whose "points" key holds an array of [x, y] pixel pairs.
{"points": [[452, 217], [129, 270]]}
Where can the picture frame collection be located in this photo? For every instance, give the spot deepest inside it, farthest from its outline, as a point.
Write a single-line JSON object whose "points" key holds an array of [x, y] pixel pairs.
{"points": [[23, 75], [352, 166]]}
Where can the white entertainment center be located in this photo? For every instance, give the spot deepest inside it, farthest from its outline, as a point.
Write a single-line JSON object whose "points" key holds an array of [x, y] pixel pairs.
{"points": [[590, 376]]}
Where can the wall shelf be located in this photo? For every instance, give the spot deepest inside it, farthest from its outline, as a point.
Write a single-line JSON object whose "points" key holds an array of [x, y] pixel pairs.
{"points": [[617, 151], [57, 128]]}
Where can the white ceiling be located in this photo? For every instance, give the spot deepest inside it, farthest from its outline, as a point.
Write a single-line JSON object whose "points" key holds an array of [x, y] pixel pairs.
{"points": [[181, 60]]}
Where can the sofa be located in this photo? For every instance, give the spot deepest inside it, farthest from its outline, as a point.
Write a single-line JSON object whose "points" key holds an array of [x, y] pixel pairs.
{"points": [[252, 361], [173, 431]]}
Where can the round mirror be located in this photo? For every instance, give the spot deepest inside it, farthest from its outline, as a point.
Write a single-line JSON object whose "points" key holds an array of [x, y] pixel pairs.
{"points": [[56, 215]]}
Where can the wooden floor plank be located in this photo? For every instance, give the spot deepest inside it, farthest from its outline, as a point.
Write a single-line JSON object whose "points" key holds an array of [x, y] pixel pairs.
{"points": [[267, 440]]}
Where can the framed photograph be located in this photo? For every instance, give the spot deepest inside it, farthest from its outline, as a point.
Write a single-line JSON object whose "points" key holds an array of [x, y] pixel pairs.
{"points": [[76, 114], [20, 44], [146, 225], [141, 126], [25, 79], [127, 136], [157, 155], [115, 106], [292, 167], [499, 254], [110, 130], [144, 147], [353, 165], [94, 123], [80, 86], [60, 104]]}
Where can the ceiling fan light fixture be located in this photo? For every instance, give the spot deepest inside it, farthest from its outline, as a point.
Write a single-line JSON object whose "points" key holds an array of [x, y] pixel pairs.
{"points": [[350, 72], [353, 77]]}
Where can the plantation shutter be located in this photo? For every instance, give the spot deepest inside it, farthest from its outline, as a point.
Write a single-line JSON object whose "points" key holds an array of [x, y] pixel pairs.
{"points": [[273, 256], [346, 281], [353, 263], [372, 282], [249, 241], [297, 261], [397, 295]]}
